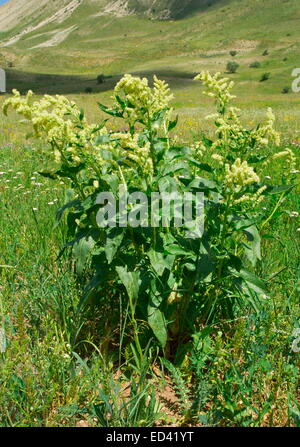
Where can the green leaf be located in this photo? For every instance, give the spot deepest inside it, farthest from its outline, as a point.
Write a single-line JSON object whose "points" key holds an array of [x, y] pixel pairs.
{"points": [[49, 174], [158, 118], [60, 212], [114, 238], [173, 124], [121, 102], [81, 115], [159, 262], [257, 158], [131, 281], [176, 250], [70, 171], [278, 189], [253, 245], [207, 142], [157, 322], [81, 251], [203, 166], [253, 282], [111, 112], [203, 185]]}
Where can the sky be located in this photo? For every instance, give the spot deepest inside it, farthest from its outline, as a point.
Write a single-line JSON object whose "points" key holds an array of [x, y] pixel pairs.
{"points": [[3, 1]]}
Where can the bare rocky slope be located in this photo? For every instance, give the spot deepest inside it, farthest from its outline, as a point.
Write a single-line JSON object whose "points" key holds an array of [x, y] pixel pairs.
{"points": [[35, 13]]}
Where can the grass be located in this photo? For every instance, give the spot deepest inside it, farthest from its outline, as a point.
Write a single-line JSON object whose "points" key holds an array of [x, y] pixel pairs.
{"points": [[57, 371]]}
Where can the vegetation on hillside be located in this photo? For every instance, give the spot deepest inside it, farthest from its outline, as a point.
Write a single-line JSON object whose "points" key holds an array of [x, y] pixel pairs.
{"points": [[142, 326]]}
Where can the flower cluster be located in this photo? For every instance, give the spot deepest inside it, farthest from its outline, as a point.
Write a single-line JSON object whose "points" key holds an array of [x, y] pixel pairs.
{"points": [[266, 133], [218, 88], [240, 174], [59, 119], [290, 157], [135, 151], [231, 133], [141, 102]]}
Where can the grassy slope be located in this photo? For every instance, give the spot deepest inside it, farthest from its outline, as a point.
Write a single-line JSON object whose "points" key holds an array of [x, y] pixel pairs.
{"points": [[175, 50]]}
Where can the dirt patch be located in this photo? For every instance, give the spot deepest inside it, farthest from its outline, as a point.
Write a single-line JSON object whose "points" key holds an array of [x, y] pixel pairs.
{"points": [[58, 37], [62, 14]]}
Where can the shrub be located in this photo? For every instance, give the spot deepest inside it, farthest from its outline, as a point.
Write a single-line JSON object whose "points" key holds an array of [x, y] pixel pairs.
{"points": [[233, 53], [88, 90], [169, 279], [265, 77], [255, 64], [286, 90], [232, 67], [100, 79], [266, 53]]}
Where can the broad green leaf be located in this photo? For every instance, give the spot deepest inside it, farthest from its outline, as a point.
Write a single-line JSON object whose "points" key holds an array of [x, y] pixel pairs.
{"points": [[253, 245], [70, 171], [81, 115], [203, 166], [203, 184], [156, 321], [253, 282], [173, 124], [81, 251], [159, 262], [73, 204], [111, 112], [176, 250], [114, 238], [47, 174], [156, 294], [278, 189], [205, 267], [131, 281], [121, 102], [175, 167]]}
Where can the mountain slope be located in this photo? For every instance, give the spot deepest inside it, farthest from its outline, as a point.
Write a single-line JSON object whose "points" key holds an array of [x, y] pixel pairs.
{"points": [[44, 45], [25, 12], [32, 13]]}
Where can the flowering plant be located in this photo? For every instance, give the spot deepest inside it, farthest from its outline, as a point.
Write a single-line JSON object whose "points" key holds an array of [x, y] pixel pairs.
{"points": [[169, 280]]}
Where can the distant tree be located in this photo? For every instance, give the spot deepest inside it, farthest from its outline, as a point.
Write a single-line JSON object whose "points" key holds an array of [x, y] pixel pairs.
{"points": [[255, 64], [100, 78], [265, 77], [285, 90], [88, 90], [233, 53], [232, 67]]}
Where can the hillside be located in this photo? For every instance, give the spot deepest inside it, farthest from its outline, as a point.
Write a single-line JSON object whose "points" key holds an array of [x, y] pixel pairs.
{"points": [[33, 13], [61, 46]]}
